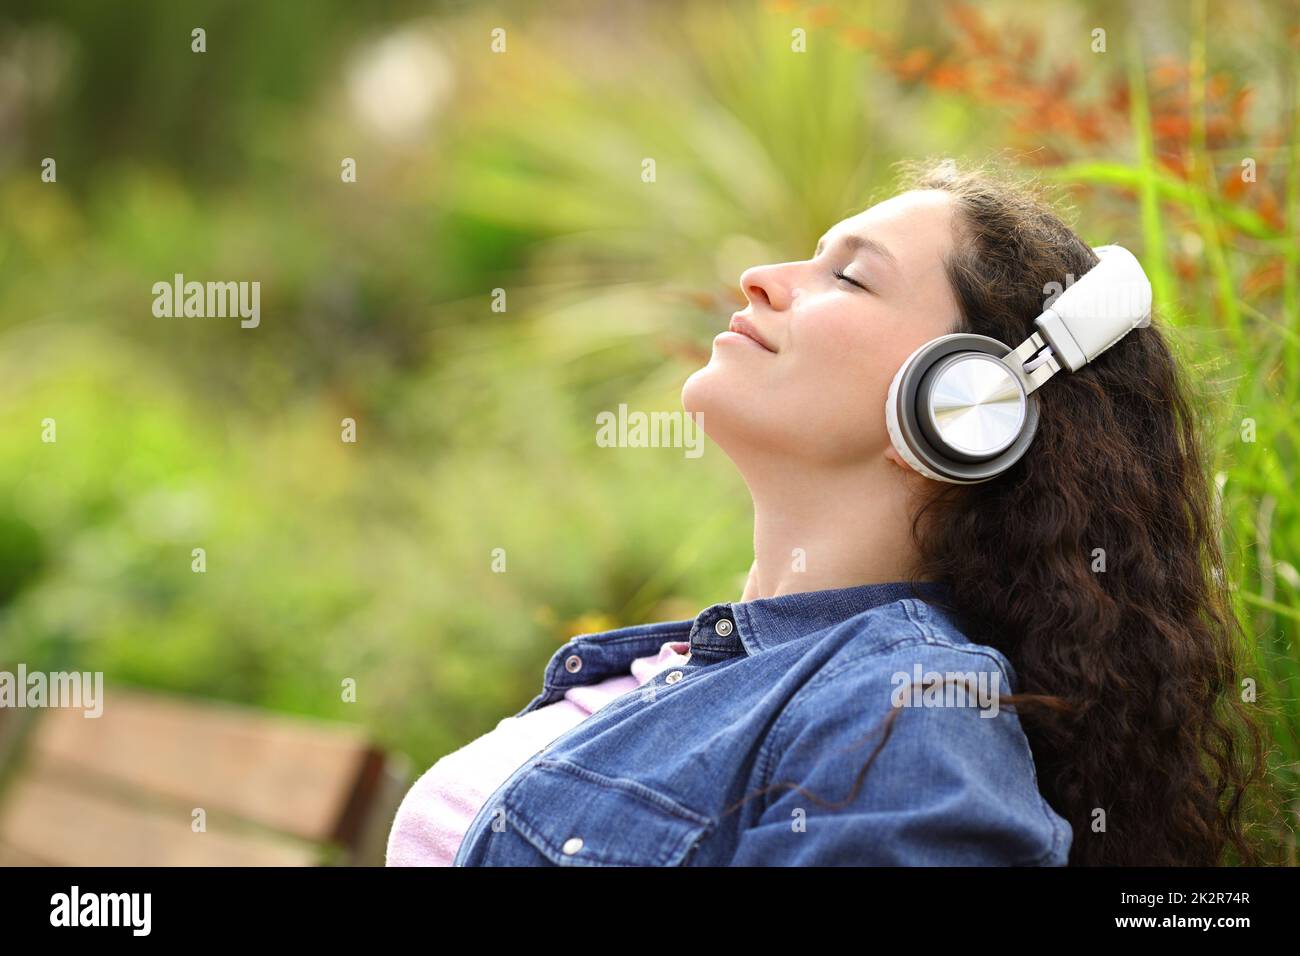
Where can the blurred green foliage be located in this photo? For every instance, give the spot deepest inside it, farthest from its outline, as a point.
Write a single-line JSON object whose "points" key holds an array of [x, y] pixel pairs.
{"points": [[519, 171]]}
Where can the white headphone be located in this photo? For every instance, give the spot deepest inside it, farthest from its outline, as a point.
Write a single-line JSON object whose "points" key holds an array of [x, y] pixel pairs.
{"points": [[962, 407]]}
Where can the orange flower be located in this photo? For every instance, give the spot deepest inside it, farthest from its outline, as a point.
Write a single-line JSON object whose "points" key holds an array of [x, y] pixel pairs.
{"points": [[975, 33], [1263, 279], [914, 63], [861, 38], [1174, 127], [1271, 211], [946, 76], [822, 14], [1233, 186], [1186, 267]]}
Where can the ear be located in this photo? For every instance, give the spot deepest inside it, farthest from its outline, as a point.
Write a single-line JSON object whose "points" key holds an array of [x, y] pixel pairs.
{"points": [[892, 455]]}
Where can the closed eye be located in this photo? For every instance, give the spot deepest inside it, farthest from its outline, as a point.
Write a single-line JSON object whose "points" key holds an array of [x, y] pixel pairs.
{"points": [[841, 275]]}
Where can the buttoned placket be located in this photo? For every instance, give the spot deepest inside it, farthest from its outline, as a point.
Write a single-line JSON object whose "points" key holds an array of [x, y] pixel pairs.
{"points": [[573, 664], [715, 636], [714, 633]]}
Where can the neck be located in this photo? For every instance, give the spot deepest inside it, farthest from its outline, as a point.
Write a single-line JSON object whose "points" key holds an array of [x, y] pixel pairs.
{"points": [[816, 529]]}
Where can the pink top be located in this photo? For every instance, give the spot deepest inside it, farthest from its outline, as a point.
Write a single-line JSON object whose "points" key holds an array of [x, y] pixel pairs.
{"points": [[439, 808]]}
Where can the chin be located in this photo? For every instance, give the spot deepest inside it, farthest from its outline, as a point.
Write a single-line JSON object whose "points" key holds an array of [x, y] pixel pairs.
{"points": [[708, 392], [694, 391], [724, 414]]}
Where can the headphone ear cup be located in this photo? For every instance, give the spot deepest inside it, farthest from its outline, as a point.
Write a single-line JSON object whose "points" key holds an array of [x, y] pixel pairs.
{"points": [[896, 435], [921, 391]]}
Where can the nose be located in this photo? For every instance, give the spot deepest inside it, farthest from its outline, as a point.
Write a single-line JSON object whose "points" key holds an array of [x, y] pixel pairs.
{"points": [[765, 285]]}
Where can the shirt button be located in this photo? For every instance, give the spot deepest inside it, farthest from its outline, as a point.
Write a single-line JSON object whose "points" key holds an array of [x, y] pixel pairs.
{"points": [[573, 664], [723, 627], [673, 678], [572, 845]]}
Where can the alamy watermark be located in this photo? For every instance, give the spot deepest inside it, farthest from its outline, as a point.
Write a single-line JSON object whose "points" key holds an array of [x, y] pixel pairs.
{"points": [[130, 910], [63, 689], [214, 300], [651, 430], [947, 689]]}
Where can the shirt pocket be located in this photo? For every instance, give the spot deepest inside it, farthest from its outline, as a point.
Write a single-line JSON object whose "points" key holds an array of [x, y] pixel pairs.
{"points": [[577, 817]]}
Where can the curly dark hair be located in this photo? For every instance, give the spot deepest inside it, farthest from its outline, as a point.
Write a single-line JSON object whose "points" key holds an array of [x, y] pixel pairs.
{"points": [[1128, 678]]}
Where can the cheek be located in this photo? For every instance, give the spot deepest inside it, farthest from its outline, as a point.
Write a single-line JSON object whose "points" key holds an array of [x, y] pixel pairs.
{"points": [[848, 359], [834, 385]]}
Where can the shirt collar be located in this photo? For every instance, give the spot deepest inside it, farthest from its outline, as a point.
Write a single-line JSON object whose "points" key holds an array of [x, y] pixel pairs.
{"points": [[765, 623]]}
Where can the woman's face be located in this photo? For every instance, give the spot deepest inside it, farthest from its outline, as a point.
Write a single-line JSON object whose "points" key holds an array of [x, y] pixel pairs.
{"points": [[817, 390]]}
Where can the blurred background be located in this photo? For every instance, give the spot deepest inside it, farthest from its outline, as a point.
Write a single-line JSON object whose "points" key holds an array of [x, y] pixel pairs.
{"points": [[1173, 132]]}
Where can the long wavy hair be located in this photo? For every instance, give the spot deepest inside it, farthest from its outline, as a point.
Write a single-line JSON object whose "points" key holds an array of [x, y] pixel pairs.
{"points": [[1127, 669]]}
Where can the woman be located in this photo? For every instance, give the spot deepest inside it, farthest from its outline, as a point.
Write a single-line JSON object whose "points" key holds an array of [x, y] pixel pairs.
{"points": [[813, 721]]}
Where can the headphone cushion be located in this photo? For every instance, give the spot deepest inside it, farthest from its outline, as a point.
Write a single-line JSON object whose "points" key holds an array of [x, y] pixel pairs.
{"points": [[909, 438], [896, 434]]}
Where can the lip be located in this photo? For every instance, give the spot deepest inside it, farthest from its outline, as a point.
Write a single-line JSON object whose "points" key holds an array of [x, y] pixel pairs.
{"points": [[742, 326]]}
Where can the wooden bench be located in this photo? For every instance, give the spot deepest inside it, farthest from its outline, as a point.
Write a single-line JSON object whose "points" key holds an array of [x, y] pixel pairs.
{"points": [[122, 789]]}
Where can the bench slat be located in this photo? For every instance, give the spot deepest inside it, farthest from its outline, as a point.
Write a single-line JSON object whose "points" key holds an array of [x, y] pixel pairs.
{"points": [[286, 773], [47, 820], [12, 856]]}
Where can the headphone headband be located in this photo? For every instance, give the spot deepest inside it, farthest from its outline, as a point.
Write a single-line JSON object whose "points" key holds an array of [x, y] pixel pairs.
{"points": [[1105, 304]]}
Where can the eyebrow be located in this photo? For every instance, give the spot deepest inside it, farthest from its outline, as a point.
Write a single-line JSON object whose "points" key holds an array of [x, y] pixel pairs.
{"points": [[854, 242]]}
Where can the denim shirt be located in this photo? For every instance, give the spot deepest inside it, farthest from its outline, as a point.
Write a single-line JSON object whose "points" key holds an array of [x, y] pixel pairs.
{"points": [[702, 765]]}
